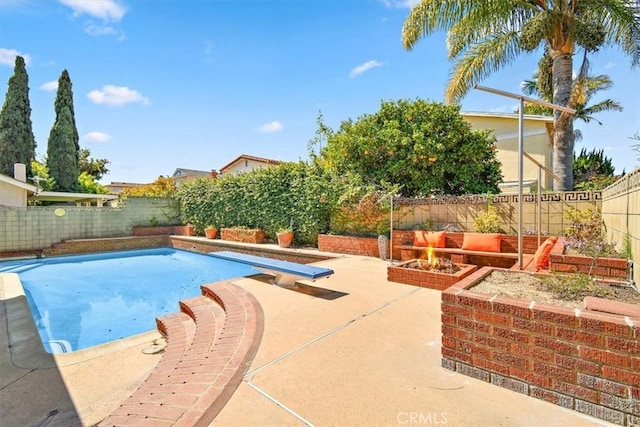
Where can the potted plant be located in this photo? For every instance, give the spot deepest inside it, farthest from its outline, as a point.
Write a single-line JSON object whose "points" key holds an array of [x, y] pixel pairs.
{"points": [[211, 231], [285, 237], [189, 229]]}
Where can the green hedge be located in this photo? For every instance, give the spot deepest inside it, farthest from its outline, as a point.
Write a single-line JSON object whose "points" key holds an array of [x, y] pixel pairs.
{"points": [[290, 194]]}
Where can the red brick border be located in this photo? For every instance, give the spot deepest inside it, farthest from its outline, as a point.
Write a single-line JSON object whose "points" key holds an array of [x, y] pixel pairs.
{"points": [[427, 279], [580, 359]]}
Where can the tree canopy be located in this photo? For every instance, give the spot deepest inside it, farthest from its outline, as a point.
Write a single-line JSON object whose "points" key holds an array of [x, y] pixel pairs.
{"points": [[63, 145], [17, 143], [423, 147], [484, 36]]}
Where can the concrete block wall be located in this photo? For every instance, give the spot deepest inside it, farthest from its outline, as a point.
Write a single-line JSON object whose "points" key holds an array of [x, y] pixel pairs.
{"points": [[460, 211], [39, 227], [621, 215]]}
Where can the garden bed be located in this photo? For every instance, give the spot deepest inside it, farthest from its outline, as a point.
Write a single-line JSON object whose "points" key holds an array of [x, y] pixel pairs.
{"points": [[245, 235], [583, 360]]}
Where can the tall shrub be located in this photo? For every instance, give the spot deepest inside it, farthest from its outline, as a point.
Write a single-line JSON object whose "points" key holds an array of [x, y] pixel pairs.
{"points": [[63, 145], [269, 198], [17, 143]]}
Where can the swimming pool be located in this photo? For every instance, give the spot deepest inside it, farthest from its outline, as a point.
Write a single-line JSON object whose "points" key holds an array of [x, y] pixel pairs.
{"points": [[84, 300]]}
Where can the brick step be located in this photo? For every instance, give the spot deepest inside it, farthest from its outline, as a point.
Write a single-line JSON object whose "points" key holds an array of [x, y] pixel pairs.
{"points": [[210, 345]]}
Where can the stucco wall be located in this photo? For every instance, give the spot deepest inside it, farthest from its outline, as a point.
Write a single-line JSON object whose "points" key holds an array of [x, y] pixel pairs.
{"points": [[536, 144], [12, 195], [244, 165]]}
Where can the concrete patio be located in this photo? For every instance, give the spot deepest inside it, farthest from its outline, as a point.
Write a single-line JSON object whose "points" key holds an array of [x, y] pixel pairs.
{"points": [[353, 349]]}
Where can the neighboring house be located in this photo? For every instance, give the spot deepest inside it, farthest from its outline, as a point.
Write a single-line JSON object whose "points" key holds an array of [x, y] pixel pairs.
{"points": [[181, 175], [245, 163], [119, 187], [537, 143], [15, 192]]}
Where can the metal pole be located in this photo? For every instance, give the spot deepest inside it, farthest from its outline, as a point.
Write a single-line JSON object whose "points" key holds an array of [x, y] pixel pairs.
{"points": [[391, 230], [520, 177], [539, 207]]}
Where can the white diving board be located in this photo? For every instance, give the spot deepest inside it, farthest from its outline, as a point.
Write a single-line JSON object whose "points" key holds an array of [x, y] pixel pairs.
{"points": [[285, 272]]}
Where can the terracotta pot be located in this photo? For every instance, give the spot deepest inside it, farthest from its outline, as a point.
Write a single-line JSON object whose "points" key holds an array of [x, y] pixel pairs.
{"points": [[285, 239], [189, 230], [210, 233]]}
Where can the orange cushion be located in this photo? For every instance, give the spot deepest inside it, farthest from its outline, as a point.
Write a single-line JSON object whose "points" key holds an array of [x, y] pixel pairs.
{"points": [[541, 257], [486, 242], [434, 239]]}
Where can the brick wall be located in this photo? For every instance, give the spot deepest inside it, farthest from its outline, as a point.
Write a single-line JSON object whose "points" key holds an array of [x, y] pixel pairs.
{"points": [[614, 268], [579, 359], [454, 240], [367, 246], [82, 246]]}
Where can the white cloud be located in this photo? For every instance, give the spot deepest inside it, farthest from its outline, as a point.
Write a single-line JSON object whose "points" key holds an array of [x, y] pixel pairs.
{"points": [[107, 10], [49, 86], [610, 65], [364, 67], [116, 96], [99, 30], [8, 57], [273, 126], [400, 4], [97, 137]]}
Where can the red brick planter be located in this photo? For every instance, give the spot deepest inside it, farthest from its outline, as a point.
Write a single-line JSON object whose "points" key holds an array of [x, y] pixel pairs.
{"points": [[352, 245], [246, 235], [579, 359], [613, 268], [427, 279]]}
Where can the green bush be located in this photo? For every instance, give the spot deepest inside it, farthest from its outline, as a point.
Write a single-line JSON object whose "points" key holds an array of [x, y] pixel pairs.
{"points": [[289, 194], [488, 222]]}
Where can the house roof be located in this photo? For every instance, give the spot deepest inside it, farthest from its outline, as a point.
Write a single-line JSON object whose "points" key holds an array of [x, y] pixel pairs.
{"points": [[188, 172], [16, 183], [56, 196], [34, 193], [248, 157]]}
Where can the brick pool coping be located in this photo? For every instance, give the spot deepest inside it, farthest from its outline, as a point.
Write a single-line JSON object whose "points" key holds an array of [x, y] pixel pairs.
{"points": [[583, 360], [211, 343]]}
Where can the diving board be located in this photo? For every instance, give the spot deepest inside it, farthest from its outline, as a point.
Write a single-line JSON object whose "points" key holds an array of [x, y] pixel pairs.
{"points": [[285, 272]]}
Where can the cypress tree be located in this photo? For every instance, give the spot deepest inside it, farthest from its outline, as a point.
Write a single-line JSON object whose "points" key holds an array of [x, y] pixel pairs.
{"points": [[64, 143], [17, 143]]}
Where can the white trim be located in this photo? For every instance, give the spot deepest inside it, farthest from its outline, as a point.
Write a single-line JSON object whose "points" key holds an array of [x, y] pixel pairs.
{"points": [[514, 116]]}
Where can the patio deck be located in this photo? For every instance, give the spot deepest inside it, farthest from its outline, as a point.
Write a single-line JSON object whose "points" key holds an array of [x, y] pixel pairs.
{"points": [[354, 349]]}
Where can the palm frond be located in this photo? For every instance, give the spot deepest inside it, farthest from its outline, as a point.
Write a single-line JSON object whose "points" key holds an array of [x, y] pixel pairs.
{"points": [[621, 24], [479, 61]]}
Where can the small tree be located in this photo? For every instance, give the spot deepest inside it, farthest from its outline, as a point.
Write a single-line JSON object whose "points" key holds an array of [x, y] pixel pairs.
{"points": [[424, 147], [97, 168], [63, 146], [592, 170], [17, 143]]}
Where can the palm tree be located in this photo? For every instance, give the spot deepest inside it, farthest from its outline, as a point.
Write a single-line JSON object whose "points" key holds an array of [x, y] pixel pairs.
{"points": [[584, 87], [486, 35]]}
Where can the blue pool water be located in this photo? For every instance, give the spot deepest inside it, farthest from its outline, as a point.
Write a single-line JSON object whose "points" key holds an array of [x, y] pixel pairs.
{"points": [[85, 300]]}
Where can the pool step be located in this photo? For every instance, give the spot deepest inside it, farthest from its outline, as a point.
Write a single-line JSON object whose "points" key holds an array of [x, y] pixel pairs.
{"points": [[211, 343]]}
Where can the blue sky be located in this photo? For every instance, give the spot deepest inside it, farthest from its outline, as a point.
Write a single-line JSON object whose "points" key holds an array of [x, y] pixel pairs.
{"points": [[193, 84]]}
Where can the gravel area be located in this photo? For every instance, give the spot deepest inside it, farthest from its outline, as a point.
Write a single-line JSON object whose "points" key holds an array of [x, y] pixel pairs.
{"points": [[528, 286]]}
